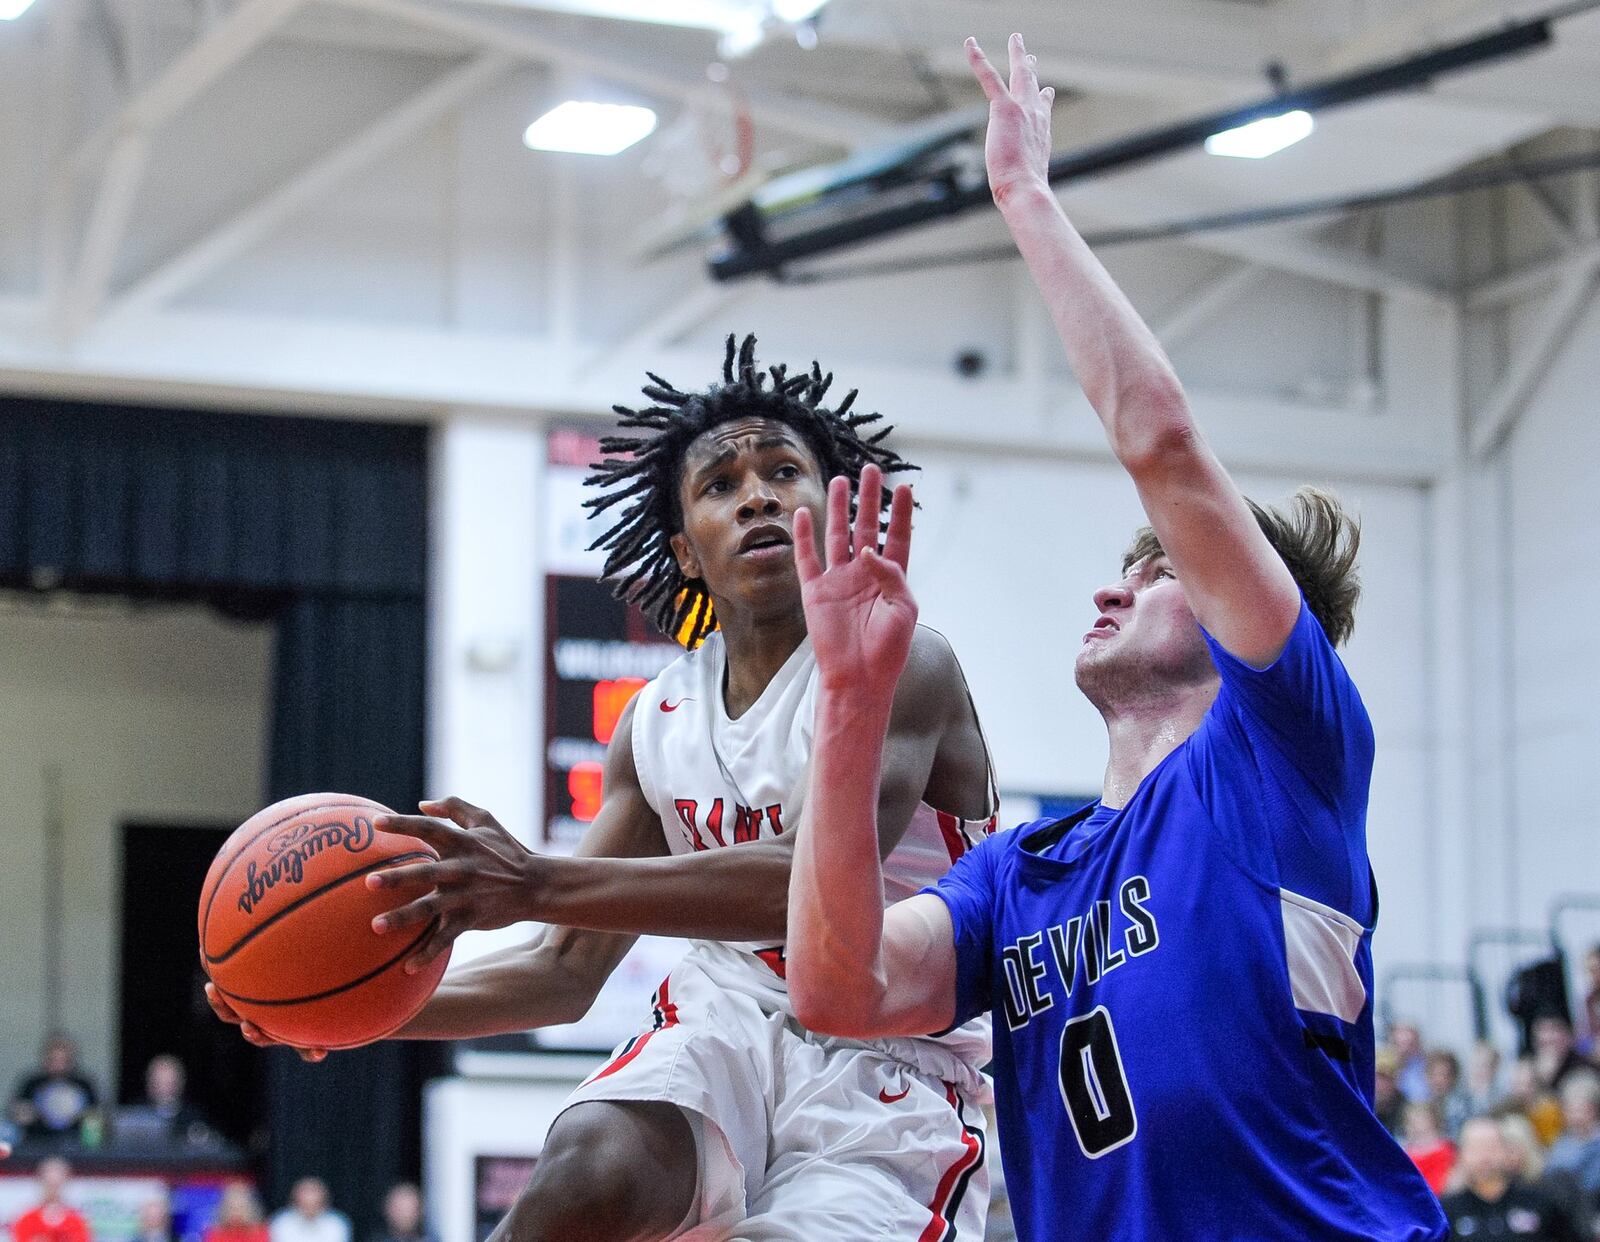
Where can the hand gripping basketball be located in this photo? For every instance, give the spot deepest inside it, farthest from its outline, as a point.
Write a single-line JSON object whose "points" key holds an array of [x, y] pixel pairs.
{"points": [[860, 612], [484, 878]]}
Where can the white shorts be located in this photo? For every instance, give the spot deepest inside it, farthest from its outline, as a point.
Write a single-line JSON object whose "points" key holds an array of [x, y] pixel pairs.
{"points": [[801, 1136]]}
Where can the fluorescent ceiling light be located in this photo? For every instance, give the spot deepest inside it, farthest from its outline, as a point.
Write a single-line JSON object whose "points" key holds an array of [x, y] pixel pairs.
{"points": [[589, 128], [10, 9], [1261, 138]]}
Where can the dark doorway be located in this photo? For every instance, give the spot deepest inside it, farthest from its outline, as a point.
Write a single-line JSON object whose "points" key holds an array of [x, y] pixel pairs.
{"points": [[162, 990]]}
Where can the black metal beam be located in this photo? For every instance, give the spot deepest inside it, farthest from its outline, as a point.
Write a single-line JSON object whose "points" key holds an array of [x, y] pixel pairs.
{"points": [[941, 197]]}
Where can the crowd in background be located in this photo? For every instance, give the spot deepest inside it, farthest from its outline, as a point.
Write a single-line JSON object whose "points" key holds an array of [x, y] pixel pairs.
{"points": [[1511, 1149], [56, 1110], [308, 1216], [58, 1102]]}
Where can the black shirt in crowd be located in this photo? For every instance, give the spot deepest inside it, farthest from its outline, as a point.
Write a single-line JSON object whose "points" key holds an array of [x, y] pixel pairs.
{"points": [[58, 1101], [1523, 1212]]}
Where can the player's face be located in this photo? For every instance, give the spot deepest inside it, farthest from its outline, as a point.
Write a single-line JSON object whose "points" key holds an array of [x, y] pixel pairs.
{"points": [[1144, 638], [740, 487]]}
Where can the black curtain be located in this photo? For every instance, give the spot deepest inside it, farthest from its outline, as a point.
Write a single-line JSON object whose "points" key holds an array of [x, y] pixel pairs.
{"points": [[321, 526]]}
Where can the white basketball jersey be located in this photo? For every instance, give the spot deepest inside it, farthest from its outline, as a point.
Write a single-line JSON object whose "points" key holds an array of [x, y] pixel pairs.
{"points": [[717, 782]]}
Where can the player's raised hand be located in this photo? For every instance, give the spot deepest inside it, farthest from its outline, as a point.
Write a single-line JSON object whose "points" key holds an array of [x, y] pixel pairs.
{"points": [[1017, 148], [859, 609], [484, 878], [252, 1033]]}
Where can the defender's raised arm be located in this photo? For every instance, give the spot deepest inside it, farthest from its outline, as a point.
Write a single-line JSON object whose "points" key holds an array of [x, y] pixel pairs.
{"points": [[1239, 588]]}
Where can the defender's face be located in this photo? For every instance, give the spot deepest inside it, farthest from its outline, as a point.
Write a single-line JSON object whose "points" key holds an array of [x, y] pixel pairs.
{"points": [[1144, 636], [740, 487]]}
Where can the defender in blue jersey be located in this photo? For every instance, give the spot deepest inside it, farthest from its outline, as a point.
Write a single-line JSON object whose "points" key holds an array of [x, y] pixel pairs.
{"points": [[1181, 973]]}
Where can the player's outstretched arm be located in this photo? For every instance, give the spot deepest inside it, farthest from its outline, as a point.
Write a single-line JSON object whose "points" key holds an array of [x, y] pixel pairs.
{"points": [[1238, 587], [852, 969]]}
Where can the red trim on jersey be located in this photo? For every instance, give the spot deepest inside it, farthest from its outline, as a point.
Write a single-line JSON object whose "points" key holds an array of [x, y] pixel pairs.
{"points": [[665, 1013], [950, 829], [777, 961], [953, 1185]]}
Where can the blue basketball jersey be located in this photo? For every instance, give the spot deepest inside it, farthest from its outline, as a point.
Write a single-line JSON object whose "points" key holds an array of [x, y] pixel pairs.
{"points": [[1182, 987]]}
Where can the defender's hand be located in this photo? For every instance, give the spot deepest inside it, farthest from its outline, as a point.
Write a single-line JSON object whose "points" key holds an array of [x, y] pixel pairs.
{"points": [[483, 879], [251, 1032], [860, 612], [1017, 147]]}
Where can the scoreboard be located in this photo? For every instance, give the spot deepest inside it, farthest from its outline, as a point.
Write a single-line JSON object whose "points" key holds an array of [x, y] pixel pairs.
{"points": [[599, 652]]}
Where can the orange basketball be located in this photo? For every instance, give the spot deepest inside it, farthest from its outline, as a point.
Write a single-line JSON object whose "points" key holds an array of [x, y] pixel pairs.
{"points": [[286, 924]]}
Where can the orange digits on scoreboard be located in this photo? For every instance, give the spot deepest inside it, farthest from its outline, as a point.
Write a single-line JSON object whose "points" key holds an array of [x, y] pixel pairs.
{"points": [[610, 698], [584, 784]]}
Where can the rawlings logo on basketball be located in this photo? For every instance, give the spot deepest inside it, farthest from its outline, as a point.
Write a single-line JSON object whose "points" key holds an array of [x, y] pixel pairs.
{"points": [[292, 848]]}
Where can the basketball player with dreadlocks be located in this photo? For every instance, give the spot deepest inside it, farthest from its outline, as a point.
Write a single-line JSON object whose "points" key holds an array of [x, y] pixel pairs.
{"points": [[724, 1117]]}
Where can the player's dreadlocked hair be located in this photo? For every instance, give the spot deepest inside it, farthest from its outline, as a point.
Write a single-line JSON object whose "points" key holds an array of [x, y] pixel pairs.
{"points": [[644, 469]]}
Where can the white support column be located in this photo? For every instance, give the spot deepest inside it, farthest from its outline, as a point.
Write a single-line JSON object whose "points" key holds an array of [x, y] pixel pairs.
{"points": [[486, 624], [236, 236], [1452, 824]]}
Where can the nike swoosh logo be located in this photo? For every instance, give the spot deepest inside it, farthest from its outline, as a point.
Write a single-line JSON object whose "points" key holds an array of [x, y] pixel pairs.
{"points": [[885, 1098], [672, 707]]}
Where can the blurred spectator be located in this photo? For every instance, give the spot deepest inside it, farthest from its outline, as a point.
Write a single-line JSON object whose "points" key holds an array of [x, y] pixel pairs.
{"points": [[1525, 1160], [1484, 1088], [1387, 1102], [1591, 997], [1446, 1093], [238, 1216], [402, 1216], [163, 1116], [1555, 1051], [52, 1220], [308, 1218], [53, 1101], [155, 1221], [1525, 1094], [1492, 1202], [1427, 1146], [1578, 1149], [1523, 1151], [1412, 1077]]}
